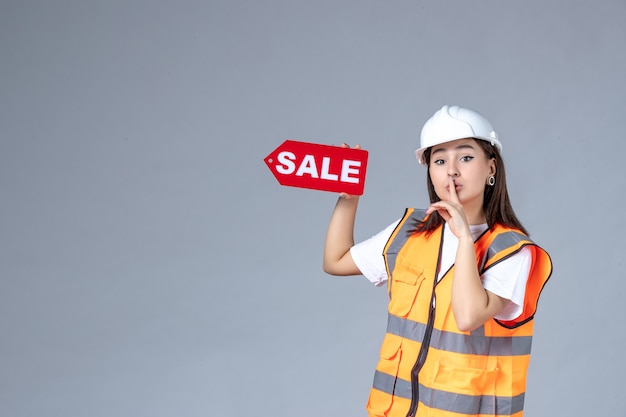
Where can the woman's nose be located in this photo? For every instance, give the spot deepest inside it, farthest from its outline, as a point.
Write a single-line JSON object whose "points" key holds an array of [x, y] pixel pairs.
{"points": [[453, 170]]}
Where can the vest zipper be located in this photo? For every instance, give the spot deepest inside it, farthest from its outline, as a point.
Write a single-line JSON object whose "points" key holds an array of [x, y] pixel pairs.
{"points": [[421, 357]]}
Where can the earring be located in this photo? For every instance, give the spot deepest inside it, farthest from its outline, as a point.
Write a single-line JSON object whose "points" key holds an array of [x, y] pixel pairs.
{"points": [[491, 180]]}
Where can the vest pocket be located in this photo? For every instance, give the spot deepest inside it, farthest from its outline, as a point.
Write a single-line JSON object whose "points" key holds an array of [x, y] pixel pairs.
{"points": [[472, 384], [383, 395], [406, 282]]}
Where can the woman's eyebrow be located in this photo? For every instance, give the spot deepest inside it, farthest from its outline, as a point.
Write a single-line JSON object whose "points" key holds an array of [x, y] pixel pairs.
{"points": [[464, 146]]}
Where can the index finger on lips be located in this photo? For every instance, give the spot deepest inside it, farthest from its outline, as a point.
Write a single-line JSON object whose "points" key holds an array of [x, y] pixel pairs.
{"points": [[453, 196]]}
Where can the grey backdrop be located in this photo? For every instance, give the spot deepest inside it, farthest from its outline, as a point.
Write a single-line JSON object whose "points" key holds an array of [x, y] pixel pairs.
{"points": [[152, 266]]}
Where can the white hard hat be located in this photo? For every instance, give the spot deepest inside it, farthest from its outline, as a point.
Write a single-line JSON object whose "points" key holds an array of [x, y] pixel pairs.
{"points": [[452, 123]]}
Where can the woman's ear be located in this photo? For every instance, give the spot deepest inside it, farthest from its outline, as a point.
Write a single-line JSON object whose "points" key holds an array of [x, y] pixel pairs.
{"points": [[492, 166]]}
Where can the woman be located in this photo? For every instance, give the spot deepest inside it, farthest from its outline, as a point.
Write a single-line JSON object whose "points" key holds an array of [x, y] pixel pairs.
{"points": [[463, 278]]}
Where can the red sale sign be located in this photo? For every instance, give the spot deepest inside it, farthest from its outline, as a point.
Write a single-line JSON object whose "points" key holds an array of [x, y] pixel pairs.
{"points": [[319, 167]]}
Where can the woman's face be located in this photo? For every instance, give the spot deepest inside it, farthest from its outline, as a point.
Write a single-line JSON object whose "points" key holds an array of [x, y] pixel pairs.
{"points": [[465, 161]]}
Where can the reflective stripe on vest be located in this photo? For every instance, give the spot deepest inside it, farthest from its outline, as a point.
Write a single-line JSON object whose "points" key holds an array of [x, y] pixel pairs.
{"points": [[454, 403], [469, 344], [467, 373], [501, 242]]}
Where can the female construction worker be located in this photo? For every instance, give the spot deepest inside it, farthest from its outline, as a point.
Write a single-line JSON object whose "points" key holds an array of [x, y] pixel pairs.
{"points": [[463, 278]]}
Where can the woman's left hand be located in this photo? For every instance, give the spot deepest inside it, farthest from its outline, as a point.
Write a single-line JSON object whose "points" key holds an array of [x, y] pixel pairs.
{"points": [[452, 212]]}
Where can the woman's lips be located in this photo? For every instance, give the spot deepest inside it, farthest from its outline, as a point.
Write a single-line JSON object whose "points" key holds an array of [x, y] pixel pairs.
{"points": [[456, 186]]}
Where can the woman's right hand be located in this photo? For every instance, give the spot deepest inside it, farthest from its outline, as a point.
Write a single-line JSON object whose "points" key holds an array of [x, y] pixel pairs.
{"points": [[346, 195]]}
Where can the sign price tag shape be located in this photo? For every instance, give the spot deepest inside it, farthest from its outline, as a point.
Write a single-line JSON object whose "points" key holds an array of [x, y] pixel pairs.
{"points": [[319, 167]]}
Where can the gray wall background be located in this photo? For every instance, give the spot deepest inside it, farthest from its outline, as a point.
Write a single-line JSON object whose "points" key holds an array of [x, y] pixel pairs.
{"points": [[150, 265]]}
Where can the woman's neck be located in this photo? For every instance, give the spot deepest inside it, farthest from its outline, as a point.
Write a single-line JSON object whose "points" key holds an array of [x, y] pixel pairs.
{"points": [[475, 215]]}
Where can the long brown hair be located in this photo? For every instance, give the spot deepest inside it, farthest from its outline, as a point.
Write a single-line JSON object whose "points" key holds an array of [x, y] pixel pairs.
{"points": [[496, 202]]}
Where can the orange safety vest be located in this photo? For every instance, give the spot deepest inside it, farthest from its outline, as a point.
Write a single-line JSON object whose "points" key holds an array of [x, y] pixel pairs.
{"points": [[428, 367]]}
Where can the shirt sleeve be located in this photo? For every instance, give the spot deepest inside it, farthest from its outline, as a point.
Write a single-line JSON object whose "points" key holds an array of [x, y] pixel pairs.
{"points": [[508, 280], [368, 255]]}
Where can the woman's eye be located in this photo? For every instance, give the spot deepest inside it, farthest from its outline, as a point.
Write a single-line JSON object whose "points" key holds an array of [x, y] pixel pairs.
{"points": [[438, 162], [466, 158]]}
